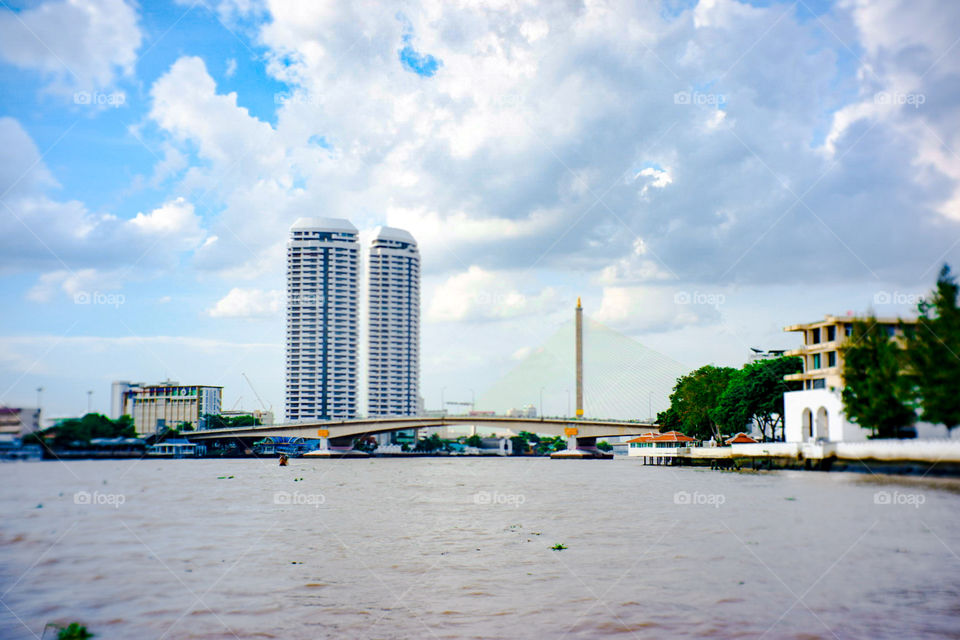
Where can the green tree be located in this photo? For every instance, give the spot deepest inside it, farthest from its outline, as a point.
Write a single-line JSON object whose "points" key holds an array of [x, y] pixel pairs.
{"points": [[215, 421], [876, 393], [603, 445], [754, 395], [933, 353], [474, 441], [520, 444], [694, 398], [79, 431]]}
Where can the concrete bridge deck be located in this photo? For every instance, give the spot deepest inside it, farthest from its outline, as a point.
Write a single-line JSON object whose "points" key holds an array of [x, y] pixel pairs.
{"points": [[335, 430]]}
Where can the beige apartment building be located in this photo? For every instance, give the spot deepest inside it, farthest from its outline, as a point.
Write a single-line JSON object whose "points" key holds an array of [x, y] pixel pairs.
{"points": [[19, 421], [815, 413], [170, 404]]}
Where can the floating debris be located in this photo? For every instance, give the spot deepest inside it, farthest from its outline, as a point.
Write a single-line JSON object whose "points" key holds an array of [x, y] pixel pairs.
{"points": [[559, 547]]}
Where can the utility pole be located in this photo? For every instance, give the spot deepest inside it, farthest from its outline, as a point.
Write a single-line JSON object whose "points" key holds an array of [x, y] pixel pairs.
{"points": [[89, 401]]}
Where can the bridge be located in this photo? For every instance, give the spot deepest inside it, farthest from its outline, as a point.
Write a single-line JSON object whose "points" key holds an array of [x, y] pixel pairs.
{"points": [[337, 437], [625, 371]]}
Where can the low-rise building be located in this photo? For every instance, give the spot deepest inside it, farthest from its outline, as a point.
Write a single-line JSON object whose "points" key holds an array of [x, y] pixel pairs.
{"points": [[815, 413], [657, 444], [170, 405], [19, 421]]}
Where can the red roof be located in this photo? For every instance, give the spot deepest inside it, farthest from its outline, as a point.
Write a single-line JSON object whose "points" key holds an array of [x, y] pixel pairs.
{"points": [[672, 436], [644, 437], [740, 438]]}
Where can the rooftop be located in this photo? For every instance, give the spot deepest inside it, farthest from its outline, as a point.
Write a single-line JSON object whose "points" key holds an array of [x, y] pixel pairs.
{"points": [[831, 319], [392, 233], [323, 224]]}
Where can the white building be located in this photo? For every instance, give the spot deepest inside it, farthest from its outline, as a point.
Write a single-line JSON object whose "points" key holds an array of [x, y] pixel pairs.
{"points": [[19, 421], [394, 329], [118, 391], [171, 405], [322, 289], [815, 413]]}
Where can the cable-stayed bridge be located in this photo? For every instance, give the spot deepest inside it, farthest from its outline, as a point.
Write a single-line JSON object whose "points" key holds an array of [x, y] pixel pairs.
{"points": [[616, 377], [622, 379]]}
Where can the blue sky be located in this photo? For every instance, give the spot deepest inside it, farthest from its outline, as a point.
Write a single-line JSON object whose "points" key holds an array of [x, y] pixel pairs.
{"points": [[785, 159]]}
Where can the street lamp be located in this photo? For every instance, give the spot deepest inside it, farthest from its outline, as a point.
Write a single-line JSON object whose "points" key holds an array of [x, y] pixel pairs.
{"points": [[443, 403], [89, 401], [568, 403], [541, 401], [473, 400]]}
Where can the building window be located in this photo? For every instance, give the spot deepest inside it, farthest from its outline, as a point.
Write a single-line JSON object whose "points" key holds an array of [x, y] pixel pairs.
{"points": [[848, 330], [815, 336], [831, 333], [819, 383], [832, 359], [815, 358]]}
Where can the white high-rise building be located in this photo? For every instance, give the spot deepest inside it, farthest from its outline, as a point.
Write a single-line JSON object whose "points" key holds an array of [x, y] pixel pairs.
{"points": [[322, 283], [394, 368]]}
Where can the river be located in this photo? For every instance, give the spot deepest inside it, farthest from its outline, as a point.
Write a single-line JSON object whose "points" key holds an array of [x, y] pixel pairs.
{"points": [[461, 548]]}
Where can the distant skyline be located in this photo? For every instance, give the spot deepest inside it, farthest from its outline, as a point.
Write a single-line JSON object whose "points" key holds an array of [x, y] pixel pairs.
{"points": [[701, 173]]}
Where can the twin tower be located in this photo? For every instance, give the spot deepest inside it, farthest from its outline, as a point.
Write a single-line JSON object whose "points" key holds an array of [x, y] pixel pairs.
{"points": [[323, 284]]}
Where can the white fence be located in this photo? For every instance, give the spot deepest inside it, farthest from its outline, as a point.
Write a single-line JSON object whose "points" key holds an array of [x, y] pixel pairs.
{"points": [[774, 449], [932, 450]]}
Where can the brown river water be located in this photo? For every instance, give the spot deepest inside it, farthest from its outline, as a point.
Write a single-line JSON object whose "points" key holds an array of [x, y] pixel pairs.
{"points": [[461, 548]]}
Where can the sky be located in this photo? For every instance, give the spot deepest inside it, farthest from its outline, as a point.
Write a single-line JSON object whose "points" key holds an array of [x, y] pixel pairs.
{"points": [[702, 174]]}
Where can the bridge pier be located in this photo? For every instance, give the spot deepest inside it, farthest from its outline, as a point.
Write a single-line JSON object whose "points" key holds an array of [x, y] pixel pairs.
{"points": [[580, 448], [335, 447]]}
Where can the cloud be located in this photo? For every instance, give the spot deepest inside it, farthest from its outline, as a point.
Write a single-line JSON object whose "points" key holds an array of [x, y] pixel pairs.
{"points": [[80, 46], [651, 309], [247, 303], [477, 295], [71, 247]]}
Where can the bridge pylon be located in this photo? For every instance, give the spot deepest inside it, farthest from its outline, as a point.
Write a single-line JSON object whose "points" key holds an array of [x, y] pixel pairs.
{"points": [[579, 447]]}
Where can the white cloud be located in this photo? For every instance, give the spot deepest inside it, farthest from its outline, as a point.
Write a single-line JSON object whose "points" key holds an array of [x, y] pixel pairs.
{"points": [[651, 309], [247, 303], [80, 45], [477, 294], [175, 221]]}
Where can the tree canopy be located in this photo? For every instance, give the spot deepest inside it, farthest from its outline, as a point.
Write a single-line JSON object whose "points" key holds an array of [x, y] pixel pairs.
{"points": [[933, 353], [694, 398], [754, 395], [81, 430], [876, 393]]}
